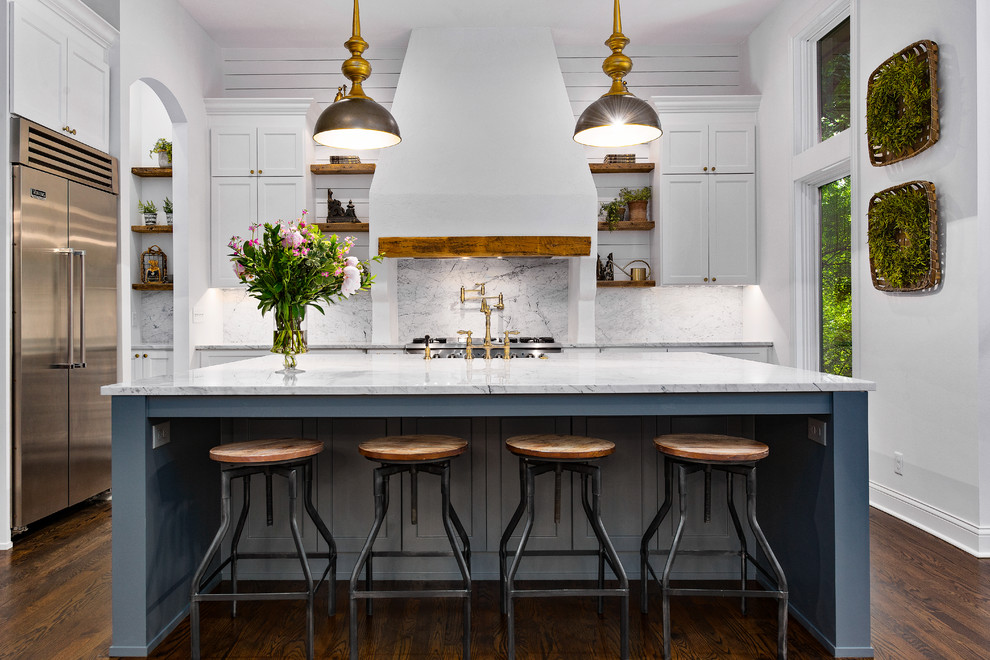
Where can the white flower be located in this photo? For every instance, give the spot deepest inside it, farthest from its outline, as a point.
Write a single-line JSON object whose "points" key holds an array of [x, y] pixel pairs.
{"points": [[352, 281], [351, 261]]}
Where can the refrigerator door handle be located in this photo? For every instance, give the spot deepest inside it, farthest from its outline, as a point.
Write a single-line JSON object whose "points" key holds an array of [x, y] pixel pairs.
{"points": [[82, 309], [70, 363]]}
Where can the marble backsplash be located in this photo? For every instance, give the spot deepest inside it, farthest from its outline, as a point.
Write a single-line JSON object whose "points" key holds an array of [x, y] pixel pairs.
{"points": [[535, 295], [156, 318]]}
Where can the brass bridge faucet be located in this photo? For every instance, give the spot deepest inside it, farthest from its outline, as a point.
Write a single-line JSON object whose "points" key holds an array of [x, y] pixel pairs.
{"points": [[468, 353], [486, 309], [505, 343]]}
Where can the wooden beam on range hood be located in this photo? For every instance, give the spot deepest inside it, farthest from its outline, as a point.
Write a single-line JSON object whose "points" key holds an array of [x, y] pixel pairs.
{"points": [[439, 247]]}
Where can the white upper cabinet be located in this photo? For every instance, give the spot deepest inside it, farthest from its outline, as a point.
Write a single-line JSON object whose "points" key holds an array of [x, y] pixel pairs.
{"points": [[726, 148], [60, 71], [708, 190], [261, 151]]}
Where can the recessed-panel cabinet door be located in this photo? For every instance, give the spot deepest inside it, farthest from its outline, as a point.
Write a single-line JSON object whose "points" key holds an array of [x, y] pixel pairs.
{"points": [[38, 75], [281, 152], [234, 151], [732, 149], [732, 219], [280, 198], [685, 150], [234, 204], [684, 236], [87, 99]]}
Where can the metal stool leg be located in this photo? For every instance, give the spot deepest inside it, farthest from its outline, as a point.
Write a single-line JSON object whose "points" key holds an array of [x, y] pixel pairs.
{"points": [[778, 571], [448, 527], [238, 529], [381, 490], [509, 529], [307, 574], [743, 551], [314, 515], [604, 541], [203, 565], [644, 547], [665, 582], [529, 489], [601, 551]]}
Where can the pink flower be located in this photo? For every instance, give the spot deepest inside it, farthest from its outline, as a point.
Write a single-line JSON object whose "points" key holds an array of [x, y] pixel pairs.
{"points": [[351, 283], [292, 239], [238, 268]]}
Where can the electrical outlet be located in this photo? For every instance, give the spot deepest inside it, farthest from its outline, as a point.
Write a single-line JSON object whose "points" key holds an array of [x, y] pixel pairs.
{"points": [[161, 434], [816, 430], [898, 463]]}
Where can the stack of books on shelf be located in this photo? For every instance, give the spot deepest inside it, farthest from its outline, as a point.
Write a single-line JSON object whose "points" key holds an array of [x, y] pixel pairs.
{"points": [[620, 158]]}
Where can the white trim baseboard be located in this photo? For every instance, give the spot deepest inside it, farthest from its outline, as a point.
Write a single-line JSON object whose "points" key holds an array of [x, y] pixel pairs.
{"points": [[6, 545], [964, 535]]}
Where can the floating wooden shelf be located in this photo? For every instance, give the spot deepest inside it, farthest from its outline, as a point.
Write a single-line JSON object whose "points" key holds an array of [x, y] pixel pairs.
{"points": [[625, 284], [617, 168], [160, 172], [335, 227], [152, 229], [439, 247], [154, 286], [627, 226], [342, 168]]}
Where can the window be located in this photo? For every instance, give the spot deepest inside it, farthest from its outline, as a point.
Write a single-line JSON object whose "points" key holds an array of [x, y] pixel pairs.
{"points": [[835, 277], [833, 81]]}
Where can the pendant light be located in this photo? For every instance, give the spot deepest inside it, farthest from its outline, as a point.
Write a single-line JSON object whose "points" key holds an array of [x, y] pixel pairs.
{"points": [[617, 119], [354, 120]]}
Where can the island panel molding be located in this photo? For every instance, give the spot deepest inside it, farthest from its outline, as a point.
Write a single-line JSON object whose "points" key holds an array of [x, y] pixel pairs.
{"points": [[439, 247]]}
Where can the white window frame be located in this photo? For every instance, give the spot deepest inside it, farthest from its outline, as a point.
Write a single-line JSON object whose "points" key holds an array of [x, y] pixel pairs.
{"points": [[815, 164]]}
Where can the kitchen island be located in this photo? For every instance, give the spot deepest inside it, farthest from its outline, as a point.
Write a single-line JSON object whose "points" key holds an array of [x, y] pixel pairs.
{"points": [[813, 499]]}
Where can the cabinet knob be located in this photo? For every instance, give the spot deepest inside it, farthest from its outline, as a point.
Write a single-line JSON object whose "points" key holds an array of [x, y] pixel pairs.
{"points": [[145, 355], [252, 171], [713, 168], [713, 279], [136, 355], [259, 171], [706, 279], [705, 168]]}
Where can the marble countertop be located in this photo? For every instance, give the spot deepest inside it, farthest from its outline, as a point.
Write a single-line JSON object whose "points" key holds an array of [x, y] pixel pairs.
{"points": [[643, 345], [402, 374]]}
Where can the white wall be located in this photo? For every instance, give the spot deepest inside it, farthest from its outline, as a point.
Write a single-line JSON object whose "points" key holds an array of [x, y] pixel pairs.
{"points": [[983, 203], [183, 65], [922, 349]]}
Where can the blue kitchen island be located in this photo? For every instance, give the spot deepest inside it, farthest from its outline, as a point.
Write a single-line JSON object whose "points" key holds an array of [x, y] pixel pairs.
{"points": [[812, 500]]}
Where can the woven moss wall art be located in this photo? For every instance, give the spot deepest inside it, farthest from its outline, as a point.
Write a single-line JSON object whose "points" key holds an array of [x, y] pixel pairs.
{"points": [[902, 104], [902, 235]]}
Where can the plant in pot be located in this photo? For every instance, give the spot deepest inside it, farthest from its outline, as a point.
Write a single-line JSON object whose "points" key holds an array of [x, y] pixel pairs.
{"points": [[637, 200], [149, 211], [613, 212], [167, 207], [164, 150]]}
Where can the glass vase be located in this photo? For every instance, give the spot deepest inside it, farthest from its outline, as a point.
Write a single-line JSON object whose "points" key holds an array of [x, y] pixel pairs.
{"points": [[289, 338]]}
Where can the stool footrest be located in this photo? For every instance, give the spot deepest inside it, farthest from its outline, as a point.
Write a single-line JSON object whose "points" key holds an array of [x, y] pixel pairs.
{"points": [[413, 593], [284, 595], [560, 593], [752, 593], [411, 553], [554, 553]]}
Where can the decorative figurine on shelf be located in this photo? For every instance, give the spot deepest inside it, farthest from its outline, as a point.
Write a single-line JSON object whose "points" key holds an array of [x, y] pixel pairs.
{"points": [[609, 272], [350, 212], [334, 208], [154, 266], [599, 269]]}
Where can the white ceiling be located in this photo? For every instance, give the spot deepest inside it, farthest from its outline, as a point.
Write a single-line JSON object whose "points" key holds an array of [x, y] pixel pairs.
{"points": [[310, 23]]}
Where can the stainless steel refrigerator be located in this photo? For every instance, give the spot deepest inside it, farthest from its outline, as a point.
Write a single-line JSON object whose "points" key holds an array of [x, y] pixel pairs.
{"points": [[64, 320]]}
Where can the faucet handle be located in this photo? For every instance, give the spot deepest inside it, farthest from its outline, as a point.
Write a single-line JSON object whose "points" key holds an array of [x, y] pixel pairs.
{"points": [[466, 332], [505, 344], [509, 332]]}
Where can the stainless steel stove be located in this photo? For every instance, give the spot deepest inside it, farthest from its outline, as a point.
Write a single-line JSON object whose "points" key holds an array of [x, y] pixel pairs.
{"points": [[453, 347]]}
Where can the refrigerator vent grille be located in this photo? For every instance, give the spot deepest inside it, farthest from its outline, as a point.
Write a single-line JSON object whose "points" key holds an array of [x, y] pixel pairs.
{"points": [[44, 149]]}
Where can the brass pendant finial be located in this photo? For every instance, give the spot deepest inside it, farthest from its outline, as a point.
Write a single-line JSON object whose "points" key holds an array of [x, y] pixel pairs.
{"points": [[617, 65], [356, 68]]}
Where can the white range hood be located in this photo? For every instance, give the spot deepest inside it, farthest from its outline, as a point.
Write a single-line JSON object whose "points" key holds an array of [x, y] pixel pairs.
{"points": [[487, 149]]}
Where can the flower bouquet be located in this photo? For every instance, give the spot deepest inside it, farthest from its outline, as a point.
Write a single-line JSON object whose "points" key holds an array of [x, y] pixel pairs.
{"points": [[291, 266]]}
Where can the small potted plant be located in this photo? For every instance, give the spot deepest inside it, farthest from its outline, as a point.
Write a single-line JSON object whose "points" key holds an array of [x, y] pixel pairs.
{"points": [[167, 207], [164, 150], [637, 200], [613, 212], [149, 211]]}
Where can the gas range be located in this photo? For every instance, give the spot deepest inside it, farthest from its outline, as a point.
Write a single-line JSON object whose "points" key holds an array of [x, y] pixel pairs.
{"points": [[453, 347]]}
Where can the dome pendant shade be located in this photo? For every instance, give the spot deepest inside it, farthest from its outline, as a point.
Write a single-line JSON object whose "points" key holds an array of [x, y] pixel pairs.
{"points": [[617, 120], [356, 123]]}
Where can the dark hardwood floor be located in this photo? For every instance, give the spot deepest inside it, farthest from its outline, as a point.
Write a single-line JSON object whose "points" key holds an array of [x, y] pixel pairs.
{"points": [[930, 600]]}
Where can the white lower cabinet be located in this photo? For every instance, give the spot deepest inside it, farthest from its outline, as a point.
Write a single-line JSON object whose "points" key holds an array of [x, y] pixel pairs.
{"points": [[150, 363]]}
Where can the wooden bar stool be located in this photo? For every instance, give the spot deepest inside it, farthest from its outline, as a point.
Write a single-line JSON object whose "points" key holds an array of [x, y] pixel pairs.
{"points": [[242, 460], [539, 454], [412, 454], [704, 453]]}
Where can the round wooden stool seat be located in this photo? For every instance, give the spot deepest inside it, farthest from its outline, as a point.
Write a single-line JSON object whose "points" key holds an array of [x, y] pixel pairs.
{"points": [[552, 446], [413, 447], [711, 447], [266, 451]]}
